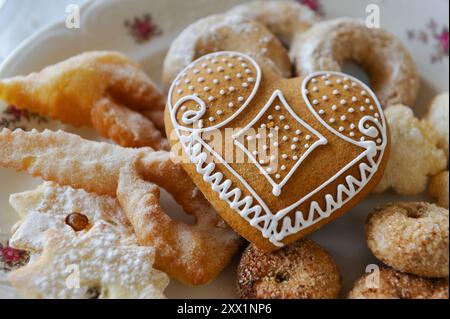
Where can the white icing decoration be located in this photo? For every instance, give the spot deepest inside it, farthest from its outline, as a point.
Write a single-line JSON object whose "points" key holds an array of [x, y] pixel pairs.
{"points": [[276, 187], [276, 226]]}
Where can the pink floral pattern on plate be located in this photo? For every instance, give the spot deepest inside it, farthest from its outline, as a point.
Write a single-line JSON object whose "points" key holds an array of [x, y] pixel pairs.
{"points": [[314, 5], [434, 35], [143, 28], [12, 118]]}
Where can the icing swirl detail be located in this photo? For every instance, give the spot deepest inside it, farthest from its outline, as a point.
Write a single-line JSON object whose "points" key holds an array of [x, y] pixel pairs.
{"points": [[252, 208]]}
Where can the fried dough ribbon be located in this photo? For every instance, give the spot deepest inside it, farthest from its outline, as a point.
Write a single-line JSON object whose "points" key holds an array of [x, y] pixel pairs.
{"points": [[102, 89], [193, 254]]}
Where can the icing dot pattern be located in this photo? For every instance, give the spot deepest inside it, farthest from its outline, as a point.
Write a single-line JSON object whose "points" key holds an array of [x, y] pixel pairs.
{"points": [[277, 141], [224, 81], [341, 113]]}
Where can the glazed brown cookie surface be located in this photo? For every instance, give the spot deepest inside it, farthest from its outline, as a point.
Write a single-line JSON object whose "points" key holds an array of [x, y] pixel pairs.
{"points": [[276, 157]]}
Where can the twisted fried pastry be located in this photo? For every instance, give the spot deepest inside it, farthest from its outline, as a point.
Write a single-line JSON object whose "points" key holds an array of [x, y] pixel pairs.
{"points": [[193, 254], [102, 89]]}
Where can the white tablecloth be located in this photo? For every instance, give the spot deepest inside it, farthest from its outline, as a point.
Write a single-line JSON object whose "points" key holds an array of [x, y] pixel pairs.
{"points": [[21, 18]]}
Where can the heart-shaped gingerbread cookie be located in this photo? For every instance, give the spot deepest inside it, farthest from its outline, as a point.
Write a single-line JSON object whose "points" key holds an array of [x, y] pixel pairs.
{"points": [[276, 157]]}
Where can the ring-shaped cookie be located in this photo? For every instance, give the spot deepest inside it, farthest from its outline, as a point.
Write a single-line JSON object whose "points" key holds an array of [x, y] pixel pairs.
{"points": [[390, 284], [302, 270], [285, 19], [391, 69], [410, 237], [225, 33]]}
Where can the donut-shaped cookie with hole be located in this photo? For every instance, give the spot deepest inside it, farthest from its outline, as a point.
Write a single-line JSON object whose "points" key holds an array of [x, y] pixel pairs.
{"points": [[410, 237], [302, 270], [391, 69]]}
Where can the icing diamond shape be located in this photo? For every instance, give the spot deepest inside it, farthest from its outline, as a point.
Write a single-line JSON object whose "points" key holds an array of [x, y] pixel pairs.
{"points": [[277, 141]]}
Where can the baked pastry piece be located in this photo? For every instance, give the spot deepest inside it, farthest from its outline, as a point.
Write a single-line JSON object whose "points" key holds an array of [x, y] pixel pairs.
{"points": [[391, 69], [186, 252], [51, 206], [301, 270], [391, 284], [93, 264], [225, 32], [277, 158], [410, 237], [285, 19], [439, 188], [102, 89], [414, 153], [437, 116]]}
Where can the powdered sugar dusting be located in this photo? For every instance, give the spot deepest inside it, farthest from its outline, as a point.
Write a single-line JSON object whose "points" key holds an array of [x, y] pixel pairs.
{"points": [[96, 260]]}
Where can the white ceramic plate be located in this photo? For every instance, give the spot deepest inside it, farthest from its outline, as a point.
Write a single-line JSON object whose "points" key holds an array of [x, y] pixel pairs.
{"points": [[424, 30]]}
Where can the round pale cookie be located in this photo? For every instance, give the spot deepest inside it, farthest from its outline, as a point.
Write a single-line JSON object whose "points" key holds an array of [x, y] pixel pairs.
{"points": [[438, 188], [391, 69], [410, 237], [302, 270], [438, 117], [391, 284], [285, 19], [225, 33]]}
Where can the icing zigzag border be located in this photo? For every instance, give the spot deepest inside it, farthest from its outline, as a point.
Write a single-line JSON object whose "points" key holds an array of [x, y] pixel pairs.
{"points": [[254, 214]]}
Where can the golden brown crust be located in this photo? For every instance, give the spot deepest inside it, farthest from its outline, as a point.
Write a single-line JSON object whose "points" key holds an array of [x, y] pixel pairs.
{"points": [[301, 270], [391, 284], [285, 19], [126, 127], [67, 159], [193, 254], [225, 32], [439, 188], [411, 237], [327, 45], [305, 179], [77, 90]]}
